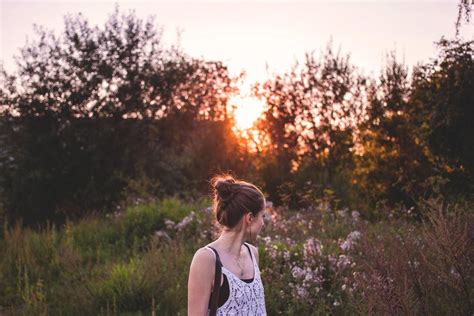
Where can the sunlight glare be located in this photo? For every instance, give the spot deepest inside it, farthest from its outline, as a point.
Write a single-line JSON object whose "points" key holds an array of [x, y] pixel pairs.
{"points": [[247, 111]]}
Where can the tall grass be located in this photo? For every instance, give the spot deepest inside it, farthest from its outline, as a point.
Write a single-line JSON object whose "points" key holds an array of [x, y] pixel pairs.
{"points": [[314, 261], [100, 265]]}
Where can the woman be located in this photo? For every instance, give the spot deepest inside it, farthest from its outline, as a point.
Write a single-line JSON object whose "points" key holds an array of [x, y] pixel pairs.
{"points": [[239, 207]]}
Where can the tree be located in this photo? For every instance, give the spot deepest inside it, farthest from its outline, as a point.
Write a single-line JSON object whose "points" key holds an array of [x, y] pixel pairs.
{"points": [[94, 108], [464, 9], [311, 116], [393, 161], [445, 87]]}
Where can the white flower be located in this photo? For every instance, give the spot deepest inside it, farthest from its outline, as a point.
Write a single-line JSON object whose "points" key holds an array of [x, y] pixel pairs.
{"points": [[350, 240], [455, 273], [267, 240], [355, 215], [342, 213], [343, 261], [355, 235], [346, 245], [301, 292], [169, 224], [188, 219], [297, 272], [162, 234]]}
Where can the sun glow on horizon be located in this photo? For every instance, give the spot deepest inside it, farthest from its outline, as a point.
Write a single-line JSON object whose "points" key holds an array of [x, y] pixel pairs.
{"points": [[247, 110]]}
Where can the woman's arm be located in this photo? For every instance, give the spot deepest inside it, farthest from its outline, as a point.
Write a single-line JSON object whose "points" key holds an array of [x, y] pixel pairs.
{"points": [[201, 278]]}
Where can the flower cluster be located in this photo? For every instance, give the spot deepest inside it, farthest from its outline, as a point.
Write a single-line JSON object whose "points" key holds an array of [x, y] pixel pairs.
{"points": [[172, 228], [351, 239]]}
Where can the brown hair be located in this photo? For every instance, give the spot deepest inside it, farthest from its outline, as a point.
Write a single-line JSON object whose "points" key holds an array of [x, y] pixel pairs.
{"points": [[234, 198]]}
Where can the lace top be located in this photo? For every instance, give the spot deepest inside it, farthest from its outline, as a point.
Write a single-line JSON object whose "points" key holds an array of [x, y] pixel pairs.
{"points": [[244, 298]]}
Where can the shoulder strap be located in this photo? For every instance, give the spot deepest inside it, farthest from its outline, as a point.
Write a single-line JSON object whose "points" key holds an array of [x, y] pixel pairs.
{"points": [[217, 285], [250, 251]]}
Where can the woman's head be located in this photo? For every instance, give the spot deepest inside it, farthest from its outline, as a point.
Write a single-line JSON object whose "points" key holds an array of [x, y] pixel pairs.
{"points": [[235, 199]]}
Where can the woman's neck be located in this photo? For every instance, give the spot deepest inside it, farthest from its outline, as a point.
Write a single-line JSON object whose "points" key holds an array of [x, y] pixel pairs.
{"points": [[231, 241]]}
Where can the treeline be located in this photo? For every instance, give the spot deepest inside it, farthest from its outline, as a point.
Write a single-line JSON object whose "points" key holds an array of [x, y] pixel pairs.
{"points": [[389, 140], [96, 116]]}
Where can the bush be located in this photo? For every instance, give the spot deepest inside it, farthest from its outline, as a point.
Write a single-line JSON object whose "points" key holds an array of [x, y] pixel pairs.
{"points": [[411, 269]]}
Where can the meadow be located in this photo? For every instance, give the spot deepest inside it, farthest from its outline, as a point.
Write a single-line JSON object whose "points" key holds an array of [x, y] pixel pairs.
{"points": [[321, 260]]}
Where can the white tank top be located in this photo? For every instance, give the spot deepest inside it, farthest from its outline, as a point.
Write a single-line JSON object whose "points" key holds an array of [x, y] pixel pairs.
{"points": [[244, 298]]}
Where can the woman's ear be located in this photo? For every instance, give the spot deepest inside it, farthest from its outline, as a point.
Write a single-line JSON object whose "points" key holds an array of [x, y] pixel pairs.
{"points": [[249, 217]]}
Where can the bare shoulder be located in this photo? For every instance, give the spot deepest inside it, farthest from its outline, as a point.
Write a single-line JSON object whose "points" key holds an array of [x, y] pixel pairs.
{"points": [[203, 258], [201, 278], [202, 266], [254, 251]]}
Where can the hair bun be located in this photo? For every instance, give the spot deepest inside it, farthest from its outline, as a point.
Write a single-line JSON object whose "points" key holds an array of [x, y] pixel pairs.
{"points": [[232, 199], [226, 189]]}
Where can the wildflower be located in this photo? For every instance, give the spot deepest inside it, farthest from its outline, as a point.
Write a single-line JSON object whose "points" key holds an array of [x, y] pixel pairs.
{"points": [[188, 219], [332, 259], [272, 251], [301, 292], [343, 212], [355, 235], [336, 303], [350, 240], [267, 240], [297, 272], [355, 215], [343, 261], [169, 224], [290, 242], [455, 273], [413, 263], [162, 234], [343, 287], [312, 247], [346, 245]]}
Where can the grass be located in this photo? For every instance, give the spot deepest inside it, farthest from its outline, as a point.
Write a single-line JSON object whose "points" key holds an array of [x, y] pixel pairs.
{"points": [[315, 261]]}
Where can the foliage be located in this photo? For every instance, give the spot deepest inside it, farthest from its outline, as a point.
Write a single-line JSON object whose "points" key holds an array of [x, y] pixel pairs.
{"points": [[393, 161], [311, 115], [94, 110], [446, 85], [418, 269], [93, 266]]}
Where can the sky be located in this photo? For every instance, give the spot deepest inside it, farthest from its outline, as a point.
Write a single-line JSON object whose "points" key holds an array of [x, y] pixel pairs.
{"points": [[260, 37]]}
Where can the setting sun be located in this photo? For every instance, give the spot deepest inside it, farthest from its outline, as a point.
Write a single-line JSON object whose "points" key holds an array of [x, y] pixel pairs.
{"points": [[247, 111]]}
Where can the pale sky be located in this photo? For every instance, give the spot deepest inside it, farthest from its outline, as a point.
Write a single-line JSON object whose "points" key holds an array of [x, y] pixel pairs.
{"points": [[248, 35]]}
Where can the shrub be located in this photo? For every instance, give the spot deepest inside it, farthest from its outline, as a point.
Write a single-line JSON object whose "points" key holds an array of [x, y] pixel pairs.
{"points": [[418, 270]]}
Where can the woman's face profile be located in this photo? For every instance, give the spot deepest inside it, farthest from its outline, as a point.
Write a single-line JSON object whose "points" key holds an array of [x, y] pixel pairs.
{"points": [[257, 223]]}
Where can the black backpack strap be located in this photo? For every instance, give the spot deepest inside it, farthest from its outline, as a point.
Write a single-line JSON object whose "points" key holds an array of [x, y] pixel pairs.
{"points": [[250, 251], [217, 285]]}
